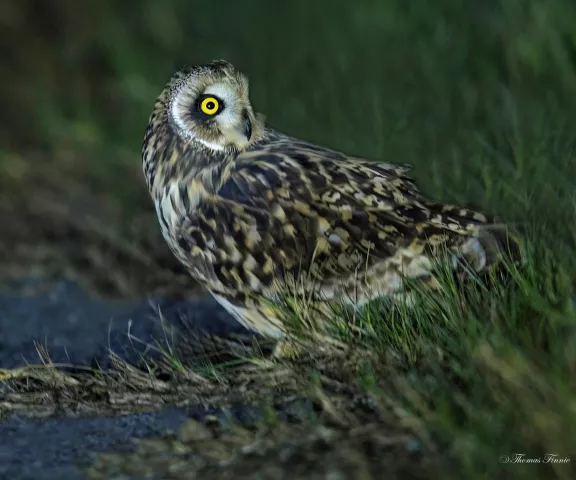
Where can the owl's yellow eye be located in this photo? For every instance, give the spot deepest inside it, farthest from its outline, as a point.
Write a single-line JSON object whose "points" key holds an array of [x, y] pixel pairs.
{"points": [[210, 105]]}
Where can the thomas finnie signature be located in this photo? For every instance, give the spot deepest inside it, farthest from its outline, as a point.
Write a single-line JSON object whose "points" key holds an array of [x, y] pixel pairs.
{"points": [[523, 458]]}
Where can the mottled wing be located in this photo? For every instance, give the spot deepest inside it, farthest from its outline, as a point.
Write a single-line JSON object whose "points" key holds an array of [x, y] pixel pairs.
{"points": [[290, 205]]}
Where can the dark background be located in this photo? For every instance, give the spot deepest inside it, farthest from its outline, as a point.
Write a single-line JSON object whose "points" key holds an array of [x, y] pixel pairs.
{"points": [[478, 96]]}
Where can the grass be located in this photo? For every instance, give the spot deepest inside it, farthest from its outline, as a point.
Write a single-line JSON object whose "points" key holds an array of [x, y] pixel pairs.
{"points": [[479, 99]]}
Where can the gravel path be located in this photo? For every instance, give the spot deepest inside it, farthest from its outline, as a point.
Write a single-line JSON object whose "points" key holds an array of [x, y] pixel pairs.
{"points": [[79, 329], [54, 448]]}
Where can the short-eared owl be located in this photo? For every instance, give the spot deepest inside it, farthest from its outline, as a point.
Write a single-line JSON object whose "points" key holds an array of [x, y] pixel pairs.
{"points": [[247, 209]]}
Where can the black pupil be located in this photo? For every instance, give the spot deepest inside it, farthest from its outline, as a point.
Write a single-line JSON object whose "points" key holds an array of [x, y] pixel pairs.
{"points": [[210, 105]]}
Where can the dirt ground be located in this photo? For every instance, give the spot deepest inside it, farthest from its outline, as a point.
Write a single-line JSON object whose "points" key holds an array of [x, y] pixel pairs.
{"points": [[57, 419]]}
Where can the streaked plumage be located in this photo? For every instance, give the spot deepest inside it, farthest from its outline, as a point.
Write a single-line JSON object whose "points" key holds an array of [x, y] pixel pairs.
{"points": [[247, 209]]}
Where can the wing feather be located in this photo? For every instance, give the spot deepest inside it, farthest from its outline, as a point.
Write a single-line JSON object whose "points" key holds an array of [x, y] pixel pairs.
{"points": [[290, 205]]}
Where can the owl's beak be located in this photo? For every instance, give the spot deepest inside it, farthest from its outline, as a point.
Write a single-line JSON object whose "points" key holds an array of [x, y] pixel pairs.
{"points": [[247, 126]]}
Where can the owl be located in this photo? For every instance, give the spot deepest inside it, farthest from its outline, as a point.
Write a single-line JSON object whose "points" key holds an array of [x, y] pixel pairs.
{"points": [[250, 211]]}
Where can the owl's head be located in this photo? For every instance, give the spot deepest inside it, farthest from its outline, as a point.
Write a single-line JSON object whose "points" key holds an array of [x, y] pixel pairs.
{"points": [[209, 105]]}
